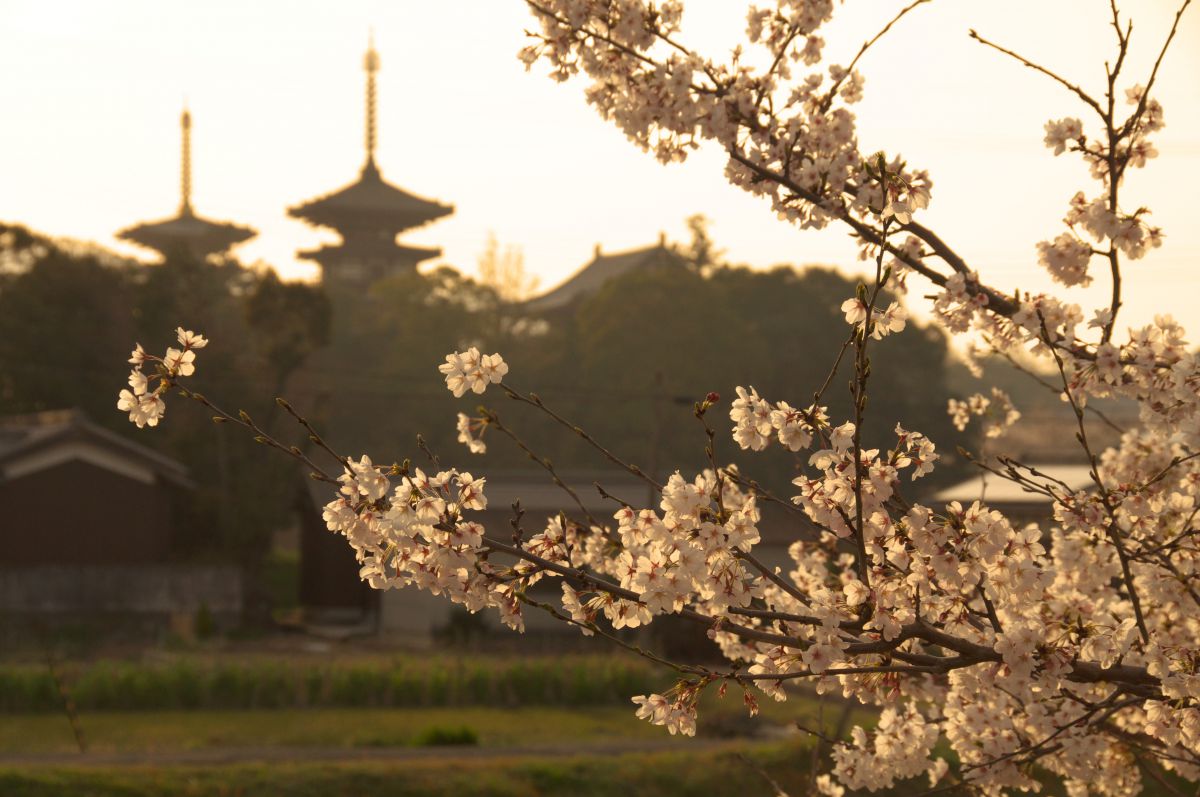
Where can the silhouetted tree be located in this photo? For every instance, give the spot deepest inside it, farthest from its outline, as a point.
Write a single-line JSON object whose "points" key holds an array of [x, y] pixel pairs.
{"points": [[77, 307]]}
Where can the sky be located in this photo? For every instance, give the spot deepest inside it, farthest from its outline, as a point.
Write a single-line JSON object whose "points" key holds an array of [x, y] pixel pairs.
{"points": [[92, 94]]}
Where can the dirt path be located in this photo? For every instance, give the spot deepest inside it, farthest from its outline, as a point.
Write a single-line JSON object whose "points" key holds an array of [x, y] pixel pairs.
{"points": [[218, 756]]}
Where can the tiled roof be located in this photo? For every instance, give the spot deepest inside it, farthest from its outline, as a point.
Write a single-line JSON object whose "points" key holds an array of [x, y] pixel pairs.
{"points": [[21, 435], [600, 270], [371, 201], [187, 231]]}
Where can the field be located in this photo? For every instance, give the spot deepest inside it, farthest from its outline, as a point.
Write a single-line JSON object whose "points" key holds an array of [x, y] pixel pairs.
{"points": [[165, 732], [710, 772], [391, 724]]}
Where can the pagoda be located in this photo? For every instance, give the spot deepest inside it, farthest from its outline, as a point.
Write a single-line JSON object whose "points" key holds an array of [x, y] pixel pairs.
{"points": [[185, 232], [368, 214]]}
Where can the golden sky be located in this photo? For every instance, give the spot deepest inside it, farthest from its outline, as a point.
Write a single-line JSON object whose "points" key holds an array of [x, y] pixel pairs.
{"points": [[92, 94]]}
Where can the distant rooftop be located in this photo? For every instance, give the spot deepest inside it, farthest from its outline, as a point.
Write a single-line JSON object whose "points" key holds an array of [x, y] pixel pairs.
{"points": [[1004, 491], [42, 439], [600, 270]]}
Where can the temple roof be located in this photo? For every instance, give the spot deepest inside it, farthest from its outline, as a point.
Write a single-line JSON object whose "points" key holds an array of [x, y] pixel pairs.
{"points": [[600, 270], [196, 235], [371, 202]]}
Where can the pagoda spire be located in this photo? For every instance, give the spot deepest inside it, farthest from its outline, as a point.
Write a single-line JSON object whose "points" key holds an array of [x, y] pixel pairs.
{"points": [[185, 231], [185, 168], [369, 214], [371, 65]]}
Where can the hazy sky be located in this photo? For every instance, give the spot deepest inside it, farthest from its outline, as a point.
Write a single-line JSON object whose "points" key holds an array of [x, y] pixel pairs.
{"points": [[92, 94]]}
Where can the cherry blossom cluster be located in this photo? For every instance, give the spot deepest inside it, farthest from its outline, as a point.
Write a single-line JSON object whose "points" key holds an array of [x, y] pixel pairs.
{"points": [[789, 119], [756, 422], [678, 716], [903, 739], [960, 580], [958, 307], [470, 370], [940, 618], [997, 414], [417, 532], [1069, 646], [882, 323], [1068, 256], [143, 400], [470, 433]]}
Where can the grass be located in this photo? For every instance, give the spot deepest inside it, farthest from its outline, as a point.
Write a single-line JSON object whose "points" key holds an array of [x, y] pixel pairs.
{"points": [[681, 771], [493, 709], [134, 731], [194, 682], [677, 774], [730, 771], [493, 726], [190, 730]]}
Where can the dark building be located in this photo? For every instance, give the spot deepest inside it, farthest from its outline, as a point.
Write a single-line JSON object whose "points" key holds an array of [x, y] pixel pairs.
{"points": [[331, 592], [87, 527], [368, 214], [185, 232]]}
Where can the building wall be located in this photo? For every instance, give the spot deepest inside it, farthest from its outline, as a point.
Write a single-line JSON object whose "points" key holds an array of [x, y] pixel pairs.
{"points": [[78, 513], [125, 589], [133, 603]]}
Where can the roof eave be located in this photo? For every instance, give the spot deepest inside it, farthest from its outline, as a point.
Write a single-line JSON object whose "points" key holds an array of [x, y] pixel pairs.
{"points": [[164, 466]]}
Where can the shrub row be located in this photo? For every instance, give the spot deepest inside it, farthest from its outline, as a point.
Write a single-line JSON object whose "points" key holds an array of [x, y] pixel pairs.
{"points": [[273, 683]]}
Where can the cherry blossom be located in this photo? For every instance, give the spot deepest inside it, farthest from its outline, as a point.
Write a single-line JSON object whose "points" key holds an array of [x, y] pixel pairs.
{"points": [[470, 433], [997, 412], [144, 400], [145, 409], [1061, 133], [987, 647], [470, 370]]}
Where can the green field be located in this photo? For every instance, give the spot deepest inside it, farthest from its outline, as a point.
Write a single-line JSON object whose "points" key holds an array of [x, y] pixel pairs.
{"points": [[386, 725], [334, 752], [533, 752], [708, 773], [253, 681], [160, 731]]}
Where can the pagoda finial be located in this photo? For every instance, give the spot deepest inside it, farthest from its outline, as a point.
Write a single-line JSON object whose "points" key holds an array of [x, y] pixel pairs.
{"points": [[371, 65], [185, 177]]}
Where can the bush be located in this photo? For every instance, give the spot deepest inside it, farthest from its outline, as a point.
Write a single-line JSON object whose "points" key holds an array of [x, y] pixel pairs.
{"points": [[438, 735]]}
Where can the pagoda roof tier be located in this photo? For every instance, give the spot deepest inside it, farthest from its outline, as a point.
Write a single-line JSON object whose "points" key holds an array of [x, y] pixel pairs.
{"points": [[199, 236], [354, 251], [371, 202]]}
